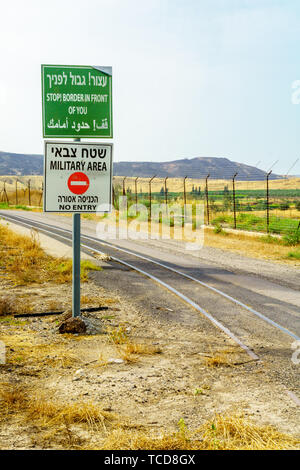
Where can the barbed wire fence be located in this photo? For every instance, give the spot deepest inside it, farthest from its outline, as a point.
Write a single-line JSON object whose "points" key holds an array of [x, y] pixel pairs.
{"points": [[21, 193], [267, 204]]}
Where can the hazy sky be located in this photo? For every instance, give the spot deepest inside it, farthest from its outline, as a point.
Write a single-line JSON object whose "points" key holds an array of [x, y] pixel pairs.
{"points": [[190, 77]]}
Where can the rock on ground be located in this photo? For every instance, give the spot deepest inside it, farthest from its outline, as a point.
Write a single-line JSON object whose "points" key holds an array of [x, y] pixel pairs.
{"points": [[72, 325]]}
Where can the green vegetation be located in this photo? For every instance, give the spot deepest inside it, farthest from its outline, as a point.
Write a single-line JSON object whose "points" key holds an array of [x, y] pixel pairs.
{"points": [[65, 268], [279, 225], [5, 205], [218, 229], [294, 254]]}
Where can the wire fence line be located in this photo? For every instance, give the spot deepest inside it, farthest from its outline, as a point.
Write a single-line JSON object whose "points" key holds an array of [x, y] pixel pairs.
{"points": [[22, 195], [264, 205]]}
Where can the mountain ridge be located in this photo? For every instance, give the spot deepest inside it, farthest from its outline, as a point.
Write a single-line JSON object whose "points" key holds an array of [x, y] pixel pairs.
{"points": [[197, 167]]}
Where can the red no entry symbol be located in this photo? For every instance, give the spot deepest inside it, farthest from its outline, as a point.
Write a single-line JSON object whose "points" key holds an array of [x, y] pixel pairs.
{"points": [[78, 183]]}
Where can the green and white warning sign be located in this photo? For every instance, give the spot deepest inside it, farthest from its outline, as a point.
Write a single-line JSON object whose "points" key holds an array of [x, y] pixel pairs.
{"points": [[77, 101]]}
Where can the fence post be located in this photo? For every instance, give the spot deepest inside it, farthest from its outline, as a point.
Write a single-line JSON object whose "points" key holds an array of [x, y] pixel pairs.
{"points": [[184, 199], [42, 190], [268, 208], [16, 192], [206, 193], [150, 196], [136, 194], [184, 190], [233, 195], [29, 197], [166, 192], [125, 194], [4, 192], [113, 196]]}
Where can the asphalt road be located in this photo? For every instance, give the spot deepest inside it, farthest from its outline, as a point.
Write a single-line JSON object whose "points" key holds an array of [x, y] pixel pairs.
{"points": [[265, 292]]}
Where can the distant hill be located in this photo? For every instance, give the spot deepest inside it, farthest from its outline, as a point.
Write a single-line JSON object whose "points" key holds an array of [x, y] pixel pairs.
{"points": [[199, 167], [20, 164]]}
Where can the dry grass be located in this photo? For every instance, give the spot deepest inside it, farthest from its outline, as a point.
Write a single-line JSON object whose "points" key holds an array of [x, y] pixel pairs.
{"points": [[22, 350], [221, 359], [130, 351], [53, 305], [103, 360], [118, 335], [49, 413], [12, 305], [142, 349], [221, 433], [127, 356], [51, 424], [91, 300], [56, 424], [248, 245], [11, 398], [6, 306], [80, 413], [25, 262]]}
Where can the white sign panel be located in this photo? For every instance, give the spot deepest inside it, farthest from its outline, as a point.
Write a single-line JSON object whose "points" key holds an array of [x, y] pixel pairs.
{"points": [[77, 177]]}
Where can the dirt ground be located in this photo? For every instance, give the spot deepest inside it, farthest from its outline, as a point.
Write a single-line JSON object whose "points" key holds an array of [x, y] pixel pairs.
{"points": [[148, 373]]}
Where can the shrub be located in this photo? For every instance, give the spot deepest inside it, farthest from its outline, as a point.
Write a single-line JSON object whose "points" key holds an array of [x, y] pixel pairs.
{"points": [[294, 254], [218, 229], [292, 238], [284, 206]]}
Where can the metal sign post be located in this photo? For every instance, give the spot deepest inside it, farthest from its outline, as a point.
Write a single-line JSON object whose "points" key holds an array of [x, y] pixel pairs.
{"points": [[76, 266]]}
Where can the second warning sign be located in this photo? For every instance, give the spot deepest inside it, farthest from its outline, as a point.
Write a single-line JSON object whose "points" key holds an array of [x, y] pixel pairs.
{"points": [[78, 177]]}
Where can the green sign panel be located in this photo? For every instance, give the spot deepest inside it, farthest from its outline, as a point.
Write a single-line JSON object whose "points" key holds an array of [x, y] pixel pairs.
{"points": [[77, 101]]}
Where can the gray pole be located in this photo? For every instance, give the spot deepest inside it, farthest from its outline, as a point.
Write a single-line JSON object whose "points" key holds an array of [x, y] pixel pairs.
{"points": [[76, 264], [268, 207], [184, 190], [150, 196], [233, 195], [206, 192], [29, 196], [166, 192], [136, 195]]}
